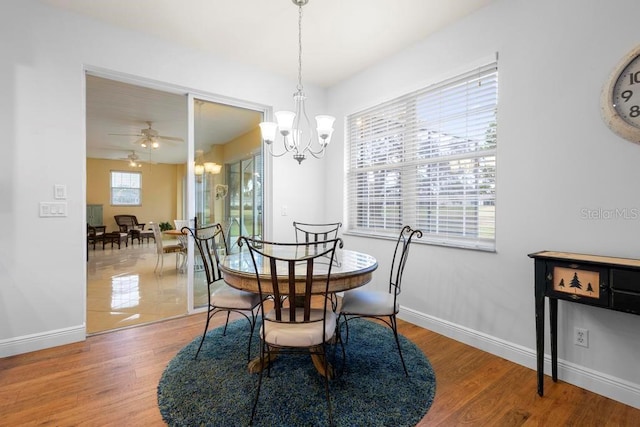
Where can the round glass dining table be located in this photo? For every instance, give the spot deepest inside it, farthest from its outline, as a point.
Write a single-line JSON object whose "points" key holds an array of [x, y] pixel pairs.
{"points": [[350, 270]]}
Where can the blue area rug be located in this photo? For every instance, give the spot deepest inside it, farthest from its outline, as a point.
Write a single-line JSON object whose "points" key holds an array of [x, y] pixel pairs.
{"points": [[218, 390]]}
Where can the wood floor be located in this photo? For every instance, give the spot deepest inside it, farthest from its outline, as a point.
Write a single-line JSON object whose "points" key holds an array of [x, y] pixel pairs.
{"points": [[111, 379]]}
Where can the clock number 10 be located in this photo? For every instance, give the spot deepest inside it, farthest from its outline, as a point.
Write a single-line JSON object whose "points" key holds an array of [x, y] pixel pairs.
{"points": [[634, 78]]}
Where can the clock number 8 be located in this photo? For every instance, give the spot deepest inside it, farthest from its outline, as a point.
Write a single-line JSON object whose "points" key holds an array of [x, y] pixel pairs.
{"points": [[634, 111]]}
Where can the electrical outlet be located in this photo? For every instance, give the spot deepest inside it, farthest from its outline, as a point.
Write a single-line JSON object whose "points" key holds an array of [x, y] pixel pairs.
{"points": [[581, 337]]}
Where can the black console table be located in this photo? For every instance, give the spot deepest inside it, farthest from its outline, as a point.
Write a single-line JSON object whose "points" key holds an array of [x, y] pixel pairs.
{"points": [[606, 282]]}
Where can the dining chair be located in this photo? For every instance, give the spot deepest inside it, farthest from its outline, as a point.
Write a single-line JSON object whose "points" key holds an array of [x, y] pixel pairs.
{"points": [[221, 297], [294, 324], [381, 305], [162, 249], [315, 232]]}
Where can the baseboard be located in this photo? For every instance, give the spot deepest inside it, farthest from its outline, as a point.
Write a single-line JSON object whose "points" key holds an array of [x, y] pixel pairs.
{"points": [[28, 343], [606, 385]]}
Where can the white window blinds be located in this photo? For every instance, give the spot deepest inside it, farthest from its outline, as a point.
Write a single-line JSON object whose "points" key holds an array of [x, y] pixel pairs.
{"points": [[126, 188], [428, 159]]}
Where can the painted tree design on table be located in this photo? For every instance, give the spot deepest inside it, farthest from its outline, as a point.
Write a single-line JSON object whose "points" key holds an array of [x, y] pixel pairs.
{"points": [[575, 282], [561, 284], [589, 288]]}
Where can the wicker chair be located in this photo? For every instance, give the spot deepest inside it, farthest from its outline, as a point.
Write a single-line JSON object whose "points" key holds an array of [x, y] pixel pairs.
{"points": [[129, 224]]}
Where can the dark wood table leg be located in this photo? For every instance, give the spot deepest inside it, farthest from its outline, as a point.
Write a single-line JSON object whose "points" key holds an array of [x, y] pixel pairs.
{"points": [[553, 325], [539, 308]]}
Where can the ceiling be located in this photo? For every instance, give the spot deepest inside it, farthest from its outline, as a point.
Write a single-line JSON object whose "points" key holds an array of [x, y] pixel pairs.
{"points": [[123, 109], [340, 38]]}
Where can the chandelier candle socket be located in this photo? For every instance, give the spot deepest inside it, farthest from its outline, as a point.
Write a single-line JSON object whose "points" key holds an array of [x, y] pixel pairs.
{"points": [[295, 126]]}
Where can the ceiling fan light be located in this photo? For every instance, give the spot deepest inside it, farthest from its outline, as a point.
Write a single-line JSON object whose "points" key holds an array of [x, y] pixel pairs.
{"points": [[143, 144], [199, 169], [155, 144]]}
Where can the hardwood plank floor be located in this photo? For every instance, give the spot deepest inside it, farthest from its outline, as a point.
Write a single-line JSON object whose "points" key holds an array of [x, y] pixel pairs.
{"points": [[111, 379]]}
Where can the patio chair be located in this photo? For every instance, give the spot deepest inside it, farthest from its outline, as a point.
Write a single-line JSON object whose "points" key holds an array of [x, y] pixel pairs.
{"points": [[162, 249], [129, 224]]}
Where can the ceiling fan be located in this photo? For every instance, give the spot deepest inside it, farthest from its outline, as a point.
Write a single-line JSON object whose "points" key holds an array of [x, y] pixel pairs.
{"points": [[149, 137], [134, 160]]}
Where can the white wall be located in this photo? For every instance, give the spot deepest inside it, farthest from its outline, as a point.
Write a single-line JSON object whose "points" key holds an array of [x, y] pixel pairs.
{"points": [[44, 54], [555, 157]]}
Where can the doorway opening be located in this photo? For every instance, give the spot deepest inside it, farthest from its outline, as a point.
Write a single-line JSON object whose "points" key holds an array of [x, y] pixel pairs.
{"points": [[123, 289]]}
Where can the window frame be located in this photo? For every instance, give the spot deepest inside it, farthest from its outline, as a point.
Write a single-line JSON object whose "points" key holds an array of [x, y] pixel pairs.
{"points": [[393, 153], [113, 189]]}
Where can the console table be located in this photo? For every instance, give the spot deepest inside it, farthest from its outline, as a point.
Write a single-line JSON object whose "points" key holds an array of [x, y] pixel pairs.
{"points": [[601, 281]]}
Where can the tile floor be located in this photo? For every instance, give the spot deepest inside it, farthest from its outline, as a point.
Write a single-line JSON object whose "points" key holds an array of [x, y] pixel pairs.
{"points": [[123, 290]]}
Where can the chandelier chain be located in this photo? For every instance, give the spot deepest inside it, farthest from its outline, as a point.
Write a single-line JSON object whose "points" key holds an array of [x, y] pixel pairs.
{"points": [[295, 126], [300, 47]]}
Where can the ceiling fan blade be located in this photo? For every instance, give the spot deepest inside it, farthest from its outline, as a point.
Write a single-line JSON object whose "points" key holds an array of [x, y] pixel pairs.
{"points": [[170, 138], [125, 134]]}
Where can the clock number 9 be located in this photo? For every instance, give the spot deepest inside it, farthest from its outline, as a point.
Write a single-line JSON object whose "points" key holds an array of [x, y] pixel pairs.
{"points": [[627, 94]]}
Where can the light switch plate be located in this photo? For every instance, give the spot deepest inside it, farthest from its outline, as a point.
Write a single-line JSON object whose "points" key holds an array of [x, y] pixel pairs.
{"points": [[60, 191], [53, 209]]}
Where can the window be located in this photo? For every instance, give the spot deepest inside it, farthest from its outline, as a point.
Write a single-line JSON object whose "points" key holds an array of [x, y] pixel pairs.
{"points": [[428, 159], [126, 188]]}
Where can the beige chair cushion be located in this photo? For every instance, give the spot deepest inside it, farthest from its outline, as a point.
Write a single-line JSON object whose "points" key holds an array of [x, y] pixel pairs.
{"points": [[229, 297], [369, 302], [299, 334]]}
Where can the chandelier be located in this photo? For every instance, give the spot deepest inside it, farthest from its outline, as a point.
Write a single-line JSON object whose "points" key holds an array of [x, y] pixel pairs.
{"points": [[295, 126], [201, 168]]}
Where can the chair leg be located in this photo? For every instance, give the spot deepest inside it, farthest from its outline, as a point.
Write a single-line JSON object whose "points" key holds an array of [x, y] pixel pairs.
{"points": [[160, 261], [157, 262], [338, 340], [326, 383], [394, 327], [346, 326], [204, 334], [224, 332], [255, 402], [253, 326]]}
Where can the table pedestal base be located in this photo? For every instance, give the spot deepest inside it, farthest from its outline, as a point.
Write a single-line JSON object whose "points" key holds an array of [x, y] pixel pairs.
{"points": [[256, 365]]}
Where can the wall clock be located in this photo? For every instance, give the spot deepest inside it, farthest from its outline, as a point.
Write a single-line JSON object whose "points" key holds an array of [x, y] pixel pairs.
{"points": [[620, 100]]}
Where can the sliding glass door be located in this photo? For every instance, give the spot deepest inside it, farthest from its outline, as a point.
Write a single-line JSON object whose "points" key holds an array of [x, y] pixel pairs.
{"points": [[245, 199], [226, 182]]}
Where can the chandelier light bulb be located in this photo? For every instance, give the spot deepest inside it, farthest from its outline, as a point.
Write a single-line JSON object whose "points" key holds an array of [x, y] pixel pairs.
{"points": [[269, 130], [285, 121]]}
